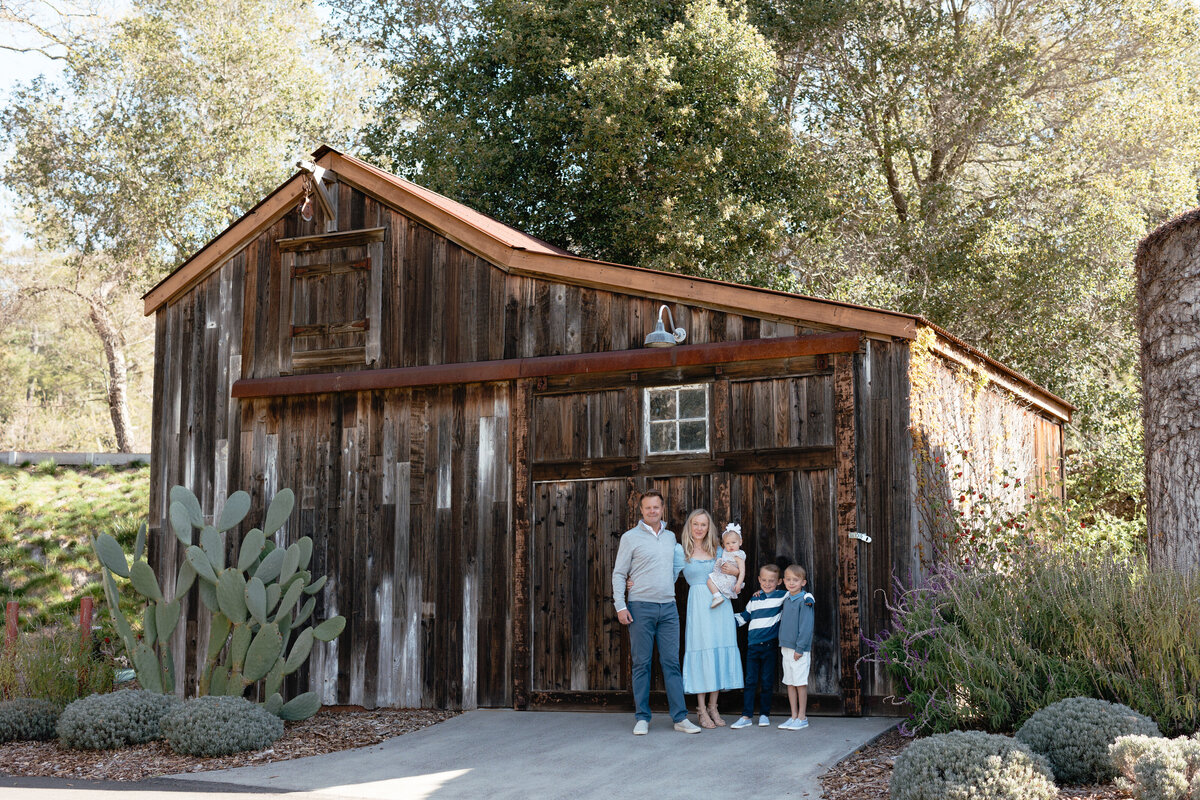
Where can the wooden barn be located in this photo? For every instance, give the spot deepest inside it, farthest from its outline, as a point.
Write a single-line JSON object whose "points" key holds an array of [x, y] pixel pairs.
{"points": [[468, 415]]}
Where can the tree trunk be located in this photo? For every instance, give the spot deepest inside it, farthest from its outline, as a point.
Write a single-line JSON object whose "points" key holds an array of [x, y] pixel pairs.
{"points": [[1168, 276], [114, 351]]}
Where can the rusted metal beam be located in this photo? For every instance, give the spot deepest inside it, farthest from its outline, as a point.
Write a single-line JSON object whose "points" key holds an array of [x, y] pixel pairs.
{"points": [[522, 633], [845, 447], [546, 366], [739, 462]]}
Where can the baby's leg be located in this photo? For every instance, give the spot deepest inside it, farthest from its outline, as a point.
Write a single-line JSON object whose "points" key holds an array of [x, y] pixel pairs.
{"points": [[712, 587]]}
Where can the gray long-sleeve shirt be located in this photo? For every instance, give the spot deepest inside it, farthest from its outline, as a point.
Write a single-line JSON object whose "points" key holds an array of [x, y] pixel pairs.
{"points": [[654, 561], [796, 622]]}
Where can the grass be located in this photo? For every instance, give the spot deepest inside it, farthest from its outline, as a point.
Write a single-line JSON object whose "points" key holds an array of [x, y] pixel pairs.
{"points": [[47, 516]]}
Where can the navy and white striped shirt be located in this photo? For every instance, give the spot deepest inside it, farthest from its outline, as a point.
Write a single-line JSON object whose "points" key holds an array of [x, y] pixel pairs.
{"points": [[762, 614]]}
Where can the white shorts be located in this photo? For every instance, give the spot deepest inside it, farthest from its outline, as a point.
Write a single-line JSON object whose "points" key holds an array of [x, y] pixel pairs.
{"points": [[795, 672]]}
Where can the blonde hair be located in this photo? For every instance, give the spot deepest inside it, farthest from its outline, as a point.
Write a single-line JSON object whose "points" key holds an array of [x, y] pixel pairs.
{"points": [[798, 571], [710, 539], [735, 532]]}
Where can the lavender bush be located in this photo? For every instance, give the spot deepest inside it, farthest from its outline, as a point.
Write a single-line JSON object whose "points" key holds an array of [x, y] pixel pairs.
{"points": [[976, 649]]}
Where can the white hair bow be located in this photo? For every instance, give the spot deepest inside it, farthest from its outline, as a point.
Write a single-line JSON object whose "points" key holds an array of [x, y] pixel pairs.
{"points": [[733, 526]]}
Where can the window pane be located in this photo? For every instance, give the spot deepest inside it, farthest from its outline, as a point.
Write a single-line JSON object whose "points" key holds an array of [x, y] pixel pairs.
{"points": [[662, 405], [691, 403], [692, 436], [662, 437]]}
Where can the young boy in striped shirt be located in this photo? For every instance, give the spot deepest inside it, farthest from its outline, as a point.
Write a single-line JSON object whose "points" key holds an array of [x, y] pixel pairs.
{"points": [[762, 615]]}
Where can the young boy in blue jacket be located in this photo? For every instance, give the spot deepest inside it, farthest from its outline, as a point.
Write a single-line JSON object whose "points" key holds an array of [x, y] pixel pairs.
{"points": [[795, 643], [762, 615]]}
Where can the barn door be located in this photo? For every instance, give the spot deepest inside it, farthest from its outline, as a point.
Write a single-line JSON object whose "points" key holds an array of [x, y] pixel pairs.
{"points": [[580, 653]]}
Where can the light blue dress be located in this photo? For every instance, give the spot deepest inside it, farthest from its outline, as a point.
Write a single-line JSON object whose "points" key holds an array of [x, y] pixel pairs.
{"points": [[711, 661]]}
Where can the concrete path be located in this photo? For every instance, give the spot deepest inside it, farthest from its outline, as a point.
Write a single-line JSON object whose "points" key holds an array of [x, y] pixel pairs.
{"points": [[510, 754]]}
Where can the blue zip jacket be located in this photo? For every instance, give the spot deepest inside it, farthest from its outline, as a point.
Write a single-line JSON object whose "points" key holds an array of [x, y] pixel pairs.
{"points": [[796, 622]]}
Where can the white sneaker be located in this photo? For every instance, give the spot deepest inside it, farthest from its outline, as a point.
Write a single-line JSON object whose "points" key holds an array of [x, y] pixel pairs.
{"points": [[641, 728], [743, 722], [763, 721], [717, 600], [787, 726], [685, 725]]}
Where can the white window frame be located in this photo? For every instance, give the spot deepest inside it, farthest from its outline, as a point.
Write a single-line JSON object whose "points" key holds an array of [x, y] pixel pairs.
{"points": [[646, 421]]}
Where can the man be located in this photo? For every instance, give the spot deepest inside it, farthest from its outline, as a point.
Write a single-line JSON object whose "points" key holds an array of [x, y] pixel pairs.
{"points": [[650, 555]]}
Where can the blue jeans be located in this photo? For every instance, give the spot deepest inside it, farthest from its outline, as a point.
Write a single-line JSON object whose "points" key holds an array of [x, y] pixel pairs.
{"points": [[656, 622], [760, 677]]}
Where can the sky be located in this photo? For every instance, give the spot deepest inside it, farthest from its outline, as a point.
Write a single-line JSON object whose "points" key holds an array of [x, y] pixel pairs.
{"points": [[15, 69]]}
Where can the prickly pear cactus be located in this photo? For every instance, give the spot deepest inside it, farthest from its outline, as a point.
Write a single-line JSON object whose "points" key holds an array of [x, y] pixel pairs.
{"points": [[260, 602], [151, 654]]}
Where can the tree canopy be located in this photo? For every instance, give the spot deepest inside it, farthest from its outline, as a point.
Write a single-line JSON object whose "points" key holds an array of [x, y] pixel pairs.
{"points": [[163, 129], [642, 133]]}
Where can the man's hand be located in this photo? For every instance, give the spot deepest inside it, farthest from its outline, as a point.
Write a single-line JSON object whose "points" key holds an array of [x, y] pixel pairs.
{"points": [[796, 656], [628, 584], [624, 617], [729, 569]]}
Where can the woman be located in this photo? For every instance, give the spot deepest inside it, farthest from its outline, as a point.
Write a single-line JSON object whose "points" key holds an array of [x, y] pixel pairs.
{"points": [[711, 661]]}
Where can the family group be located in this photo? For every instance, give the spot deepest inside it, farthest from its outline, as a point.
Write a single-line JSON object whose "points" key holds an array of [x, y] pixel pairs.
{"points": [[648, 563]]}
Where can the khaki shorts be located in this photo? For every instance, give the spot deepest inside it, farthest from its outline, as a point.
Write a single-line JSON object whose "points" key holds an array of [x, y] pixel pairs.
{"points": [[795, 673]]}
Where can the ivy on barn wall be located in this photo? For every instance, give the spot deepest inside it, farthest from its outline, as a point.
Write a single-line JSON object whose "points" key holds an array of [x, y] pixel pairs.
{"points": [[973, 457]]}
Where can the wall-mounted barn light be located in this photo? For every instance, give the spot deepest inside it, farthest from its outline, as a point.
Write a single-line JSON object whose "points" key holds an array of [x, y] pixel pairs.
{"points": [[659, 336]]}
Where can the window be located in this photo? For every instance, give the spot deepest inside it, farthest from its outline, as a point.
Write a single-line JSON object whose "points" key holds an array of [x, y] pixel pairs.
{"points": [[677, 420]]}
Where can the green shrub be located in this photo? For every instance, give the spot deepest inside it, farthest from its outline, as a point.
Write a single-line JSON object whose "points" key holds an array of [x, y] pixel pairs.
{"points": [[217, 726], [1075, 734], [105, 721], [970, 764], [27, 719], [1154, 768], [977, 649], [52, 663]]}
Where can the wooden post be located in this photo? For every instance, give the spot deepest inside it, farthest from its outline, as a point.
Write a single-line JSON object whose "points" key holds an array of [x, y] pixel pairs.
{"points": [[521, 532], [85, 619], [847, 521], [10, 619]]}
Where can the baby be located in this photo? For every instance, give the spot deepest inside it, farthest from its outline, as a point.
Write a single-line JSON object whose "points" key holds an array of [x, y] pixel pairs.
{"points": [[720, 584]]}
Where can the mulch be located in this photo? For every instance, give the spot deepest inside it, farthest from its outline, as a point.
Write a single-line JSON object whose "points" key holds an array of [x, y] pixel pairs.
{"points": [[864, 775], [325, 732]]}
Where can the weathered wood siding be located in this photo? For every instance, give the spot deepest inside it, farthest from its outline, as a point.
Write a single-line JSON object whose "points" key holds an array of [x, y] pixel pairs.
{"points": [[197, 428], [406, 496], [579, 650], [885, 496], [441, 304]]}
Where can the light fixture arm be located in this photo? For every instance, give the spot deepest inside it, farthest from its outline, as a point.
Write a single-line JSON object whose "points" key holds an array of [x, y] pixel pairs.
{"points": [[679, 333]]}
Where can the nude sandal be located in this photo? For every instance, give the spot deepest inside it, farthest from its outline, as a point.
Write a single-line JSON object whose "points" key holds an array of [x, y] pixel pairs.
{"points": [[705, 721], [715, 716]]}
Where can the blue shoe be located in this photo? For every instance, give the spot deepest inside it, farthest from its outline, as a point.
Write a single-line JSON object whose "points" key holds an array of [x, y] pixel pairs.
{"points": [[799, 724], [786, 726], [763, 721], [743, 722]]}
